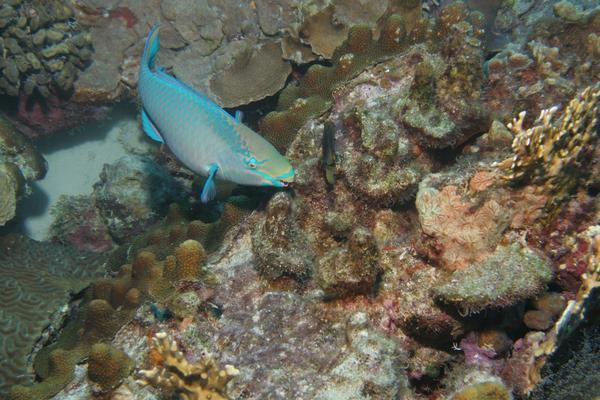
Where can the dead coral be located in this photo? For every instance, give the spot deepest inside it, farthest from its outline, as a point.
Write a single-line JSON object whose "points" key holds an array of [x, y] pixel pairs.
{"points": [[202, 380], [554, 152]]}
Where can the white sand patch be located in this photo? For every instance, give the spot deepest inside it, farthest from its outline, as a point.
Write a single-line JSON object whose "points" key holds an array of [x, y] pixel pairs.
{"points": [[75, 160]]}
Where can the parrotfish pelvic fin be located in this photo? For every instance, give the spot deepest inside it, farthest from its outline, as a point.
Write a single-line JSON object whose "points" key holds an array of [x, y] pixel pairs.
{"points": [[209, 191]]}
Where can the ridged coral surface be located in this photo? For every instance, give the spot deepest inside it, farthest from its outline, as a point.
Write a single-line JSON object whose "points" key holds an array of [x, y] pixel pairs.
{"points": [[36, 280]]}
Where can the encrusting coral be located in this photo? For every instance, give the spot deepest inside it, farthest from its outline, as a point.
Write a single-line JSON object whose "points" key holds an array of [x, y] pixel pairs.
{"points": [[202, 380], [511, 274], [554, 152]]}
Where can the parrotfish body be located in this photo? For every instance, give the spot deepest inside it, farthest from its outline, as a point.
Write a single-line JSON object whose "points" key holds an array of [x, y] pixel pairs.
{"points": [[201, 134]]}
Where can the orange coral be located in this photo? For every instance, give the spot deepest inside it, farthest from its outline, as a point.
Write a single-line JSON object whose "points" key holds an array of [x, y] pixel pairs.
{"points": [[465, 235], [481, 181]]}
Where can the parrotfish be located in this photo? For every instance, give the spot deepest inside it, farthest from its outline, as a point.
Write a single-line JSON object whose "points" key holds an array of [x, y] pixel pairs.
{"points": [[203, 136]]}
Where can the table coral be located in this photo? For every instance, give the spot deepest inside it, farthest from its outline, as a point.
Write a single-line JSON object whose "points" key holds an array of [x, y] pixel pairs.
{"points": [[202, 380], [553, 152]]}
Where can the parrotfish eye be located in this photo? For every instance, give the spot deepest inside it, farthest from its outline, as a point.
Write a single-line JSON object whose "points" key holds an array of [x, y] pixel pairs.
{"points": [[251, 162]]}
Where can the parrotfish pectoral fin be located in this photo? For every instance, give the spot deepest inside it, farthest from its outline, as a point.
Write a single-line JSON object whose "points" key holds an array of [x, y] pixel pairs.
{"points": [[239, 115], [209, 191], [149, 128]]}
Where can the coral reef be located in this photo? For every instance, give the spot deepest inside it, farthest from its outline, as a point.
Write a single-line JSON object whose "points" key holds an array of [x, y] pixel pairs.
{"points": [[553, 151], [550, 57], [77, 221], [37, 279], [43, 48], [509, 275], [460, 232], [191, 381], [343, 285]]}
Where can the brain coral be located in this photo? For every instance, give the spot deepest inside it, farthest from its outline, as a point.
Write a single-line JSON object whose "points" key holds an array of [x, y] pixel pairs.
{"points": [[35, 280]]}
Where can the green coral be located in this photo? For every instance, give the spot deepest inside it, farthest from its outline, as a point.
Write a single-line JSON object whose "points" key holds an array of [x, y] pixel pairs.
{"points": [[511, 274]]}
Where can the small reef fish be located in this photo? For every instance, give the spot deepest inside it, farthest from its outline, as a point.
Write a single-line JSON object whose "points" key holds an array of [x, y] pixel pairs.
{"points": [[329, 152], [203, 136]]}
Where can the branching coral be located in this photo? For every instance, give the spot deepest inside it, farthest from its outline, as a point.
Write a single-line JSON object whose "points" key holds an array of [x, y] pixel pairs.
{"points": [[554, 151], [203, 380]]}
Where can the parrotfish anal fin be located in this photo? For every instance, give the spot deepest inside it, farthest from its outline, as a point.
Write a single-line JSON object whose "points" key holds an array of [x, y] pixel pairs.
{"points": [[209, 191], [150, 129], [239, 115]]}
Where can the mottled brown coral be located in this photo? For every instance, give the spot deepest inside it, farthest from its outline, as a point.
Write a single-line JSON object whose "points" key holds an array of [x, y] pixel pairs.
{"points": [[203, 380], [108, 366], [350, 269]]}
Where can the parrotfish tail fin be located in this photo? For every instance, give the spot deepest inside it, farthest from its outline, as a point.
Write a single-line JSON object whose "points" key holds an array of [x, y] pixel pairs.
{"points": [[151, 47], [209, 191]]}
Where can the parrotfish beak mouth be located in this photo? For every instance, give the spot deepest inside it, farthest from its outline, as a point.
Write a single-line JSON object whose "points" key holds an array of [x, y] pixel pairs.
{"points": [[287, 178]]}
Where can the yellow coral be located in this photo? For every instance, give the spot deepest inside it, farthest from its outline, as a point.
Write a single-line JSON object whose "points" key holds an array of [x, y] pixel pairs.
{"points": [[203, 380], [553, 152]]}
